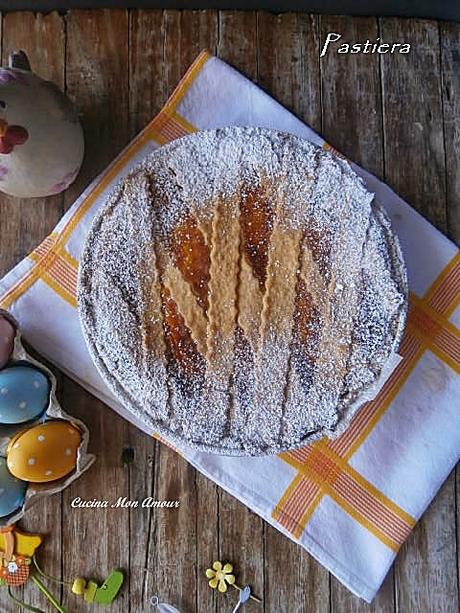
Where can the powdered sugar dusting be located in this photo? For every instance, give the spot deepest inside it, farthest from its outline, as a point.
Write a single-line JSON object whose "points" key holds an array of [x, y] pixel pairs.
{"points": [[331, 309]]}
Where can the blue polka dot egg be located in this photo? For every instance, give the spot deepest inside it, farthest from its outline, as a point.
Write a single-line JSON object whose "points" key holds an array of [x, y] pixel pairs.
{"points": [[12, 490], [24, 394], [42, 443]]}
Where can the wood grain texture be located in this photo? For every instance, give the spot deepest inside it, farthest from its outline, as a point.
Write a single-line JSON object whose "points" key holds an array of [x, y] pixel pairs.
{"points": [[425, 578], [288, 52], [146, 67], [412, 117], [399, 117], [426, 567], [237, 43], [450, 73], [97, 81], [351, 95], [186, 34]]}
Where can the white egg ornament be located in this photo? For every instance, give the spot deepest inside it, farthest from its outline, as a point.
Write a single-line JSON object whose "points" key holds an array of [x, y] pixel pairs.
{"points": [[41, 139], [12, 490], [46, 452]]}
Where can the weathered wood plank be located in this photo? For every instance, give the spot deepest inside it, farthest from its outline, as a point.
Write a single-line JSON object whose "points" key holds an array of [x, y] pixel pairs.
{"points": [[450, 64], [288, 68], [207, 512], [294, 581], [241, 542], [351, 95], [343, 600], [352, 122], [413, 129], [186, 34], [173, 550], [97, 81], [288, 52], [23, 224], [146, 71], [425, 570], [237, 41], [450, 67], [97, 540], [138, 457]]}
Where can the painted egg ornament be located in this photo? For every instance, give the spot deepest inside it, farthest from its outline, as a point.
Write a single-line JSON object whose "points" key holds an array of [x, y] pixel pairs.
{"points": [[7, 334], [46, 452], [40, 441], [12, 490], [41, 139], [24, 394]]}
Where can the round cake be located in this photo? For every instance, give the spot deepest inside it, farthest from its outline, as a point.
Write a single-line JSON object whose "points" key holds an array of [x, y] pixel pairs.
{"points": [[241, 292]]}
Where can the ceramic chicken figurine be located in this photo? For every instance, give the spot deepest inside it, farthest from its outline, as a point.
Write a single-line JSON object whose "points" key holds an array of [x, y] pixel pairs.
{"points": [[41, 139]]}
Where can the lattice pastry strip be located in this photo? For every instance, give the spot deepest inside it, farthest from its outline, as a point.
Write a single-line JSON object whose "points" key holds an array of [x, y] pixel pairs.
{"points": [[276, 329]]}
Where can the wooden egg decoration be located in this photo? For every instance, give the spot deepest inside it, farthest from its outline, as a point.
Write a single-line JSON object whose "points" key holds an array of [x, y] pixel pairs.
{"points": [[44, 453], [41, 139]]}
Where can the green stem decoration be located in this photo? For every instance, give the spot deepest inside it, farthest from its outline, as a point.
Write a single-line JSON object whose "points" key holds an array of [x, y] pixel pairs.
{"points": [[48, 594]]}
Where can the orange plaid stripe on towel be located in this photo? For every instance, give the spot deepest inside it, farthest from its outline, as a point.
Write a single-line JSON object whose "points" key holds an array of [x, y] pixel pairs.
{"points": [[310, 492]]}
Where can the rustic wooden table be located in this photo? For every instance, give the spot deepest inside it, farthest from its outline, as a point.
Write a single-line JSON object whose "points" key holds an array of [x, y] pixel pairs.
{"points": [[399, 116]]}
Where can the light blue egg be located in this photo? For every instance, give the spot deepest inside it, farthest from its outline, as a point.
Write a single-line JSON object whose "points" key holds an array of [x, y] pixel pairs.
{"points": [[12, 490], [24, 394]]}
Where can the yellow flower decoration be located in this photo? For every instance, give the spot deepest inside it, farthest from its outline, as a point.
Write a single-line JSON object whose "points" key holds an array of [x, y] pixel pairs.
{"points": [[220, 575]]}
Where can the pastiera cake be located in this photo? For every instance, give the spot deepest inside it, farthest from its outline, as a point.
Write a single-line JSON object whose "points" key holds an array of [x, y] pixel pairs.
{"points": [[241, 292]]}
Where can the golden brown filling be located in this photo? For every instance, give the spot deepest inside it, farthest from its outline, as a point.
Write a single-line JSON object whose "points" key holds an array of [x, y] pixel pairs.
{"points": [[178, 337], [256, 221], [191, 256]]}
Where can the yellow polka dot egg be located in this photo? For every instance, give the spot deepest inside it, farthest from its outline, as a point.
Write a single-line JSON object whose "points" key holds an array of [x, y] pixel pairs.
{"points": [[45, 452]]}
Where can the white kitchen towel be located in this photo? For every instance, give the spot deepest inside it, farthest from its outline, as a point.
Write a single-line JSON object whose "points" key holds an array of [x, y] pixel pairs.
{"points": [[350, 502]]}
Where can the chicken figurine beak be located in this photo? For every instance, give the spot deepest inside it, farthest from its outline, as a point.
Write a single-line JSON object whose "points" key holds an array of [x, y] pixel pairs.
{"points": [[11, 136]]}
